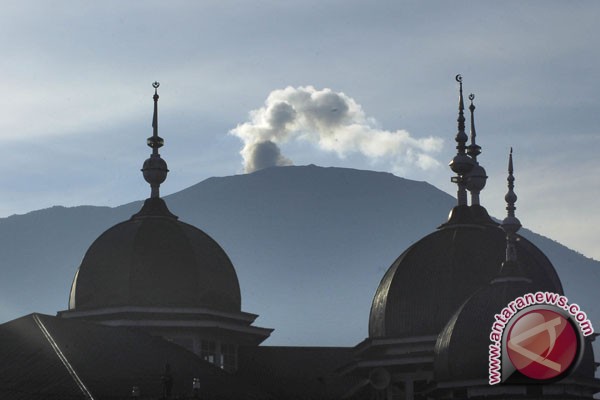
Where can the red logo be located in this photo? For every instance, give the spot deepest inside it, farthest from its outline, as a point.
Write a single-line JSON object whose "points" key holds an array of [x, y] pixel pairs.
{"points": [[542, 344]]}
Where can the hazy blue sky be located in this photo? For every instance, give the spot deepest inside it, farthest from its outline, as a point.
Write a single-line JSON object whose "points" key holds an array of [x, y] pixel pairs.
{"points": [[76, 100]]}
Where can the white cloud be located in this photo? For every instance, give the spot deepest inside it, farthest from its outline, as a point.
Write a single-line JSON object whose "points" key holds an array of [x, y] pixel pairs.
{"points": [[331, 121]]}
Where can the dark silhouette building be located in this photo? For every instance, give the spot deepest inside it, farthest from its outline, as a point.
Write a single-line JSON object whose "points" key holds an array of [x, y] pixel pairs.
{"points": [[155, 311], [432, 313], [169, 278]]}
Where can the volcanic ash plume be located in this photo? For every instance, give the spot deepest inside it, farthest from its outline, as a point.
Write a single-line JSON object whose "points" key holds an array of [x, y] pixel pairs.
{"points": [[332, 122]]}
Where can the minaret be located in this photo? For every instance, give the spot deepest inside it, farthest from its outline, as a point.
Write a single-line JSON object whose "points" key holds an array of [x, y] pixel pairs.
{"points": [[155, 168], [461, 164], [511, 225], [476, 178], [473, 149]]}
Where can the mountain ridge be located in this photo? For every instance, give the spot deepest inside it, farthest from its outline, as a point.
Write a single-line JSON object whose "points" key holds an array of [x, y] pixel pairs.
{"points": [[310, 245]]}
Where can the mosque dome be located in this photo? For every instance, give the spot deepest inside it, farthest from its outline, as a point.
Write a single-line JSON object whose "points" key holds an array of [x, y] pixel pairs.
{"points": [[462, 352], [429, 281], [155, 260]]}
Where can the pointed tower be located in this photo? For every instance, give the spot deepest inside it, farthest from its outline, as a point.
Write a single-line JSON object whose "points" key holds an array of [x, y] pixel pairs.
{"points": [[156, 273], [511, 225], [461, 164], [155, 168], [476, 177], [452, 262], [426, 285], [470, 175], [462, 351]]}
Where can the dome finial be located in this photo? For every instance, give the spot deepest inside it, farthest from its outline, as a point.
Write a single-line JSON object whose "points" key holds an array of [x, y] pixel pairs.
{"points": [[476, 178], [155, 168], [461, 164], [473, 149], [511, 223], [155, 141]]}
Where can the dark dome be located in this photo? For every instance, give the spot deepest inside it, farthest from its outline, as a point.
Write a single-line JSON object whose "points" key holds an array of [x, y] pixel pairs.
{"points": [[462, 352], [154, 260], [429, 281]]}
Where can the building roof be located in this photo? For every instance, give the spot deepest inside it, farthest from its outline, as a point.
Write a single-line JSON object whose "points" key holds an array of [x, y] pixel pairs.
{"points": [[462, 348], [45, 357], [429, 281], [153, 259]]}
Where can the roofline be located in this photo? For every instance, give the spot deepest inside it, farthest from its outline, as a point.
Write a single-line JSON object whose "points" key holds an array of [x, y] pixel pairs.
{"points": [[184, 324], [386, 341], [240, 316], [65, 361]]}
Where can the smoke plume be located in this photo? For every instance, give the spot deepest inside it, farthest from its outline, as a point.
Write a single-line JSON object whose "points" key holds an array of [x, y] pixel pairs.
{"points": [[332, 122]]}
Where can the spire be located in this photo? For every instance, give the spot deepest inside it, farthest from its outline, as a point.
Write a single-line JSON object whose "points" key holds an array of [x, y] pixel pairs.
{"points": [[511, 271], [476, 178], [473, 149], [511, 223], [155, 168], [461, 164], [461, 136], [155, 142]]}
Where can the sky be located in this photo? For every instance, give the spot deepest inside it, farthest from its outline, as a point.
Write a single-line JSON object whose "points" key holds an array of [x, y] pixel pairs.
{"points": [[248, 84]]}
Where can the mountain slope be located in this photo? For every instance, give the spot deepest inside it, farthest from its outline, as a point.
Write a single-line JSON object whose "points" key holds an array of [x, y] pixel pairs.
{"points": [[309, 244]]}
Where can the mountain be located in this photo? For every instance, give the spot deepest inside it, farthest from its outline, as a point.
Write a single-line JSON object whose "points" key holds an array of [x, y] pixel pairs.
{"points": [[309, 244]]}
